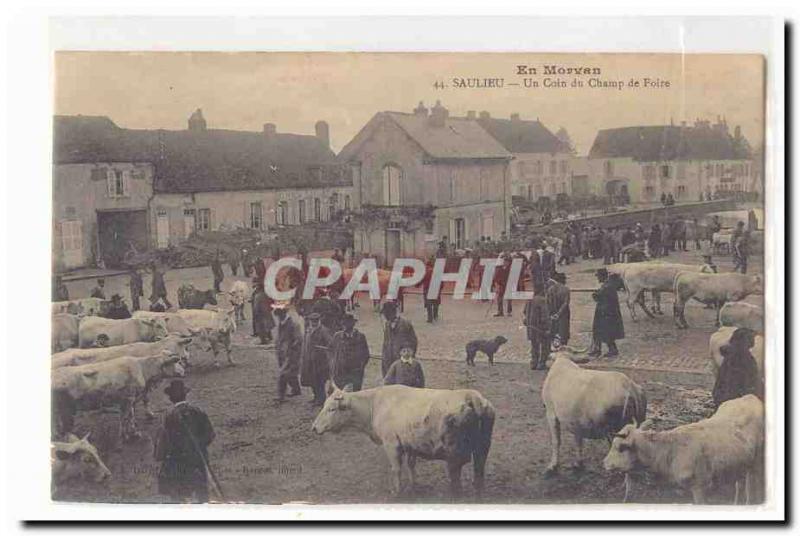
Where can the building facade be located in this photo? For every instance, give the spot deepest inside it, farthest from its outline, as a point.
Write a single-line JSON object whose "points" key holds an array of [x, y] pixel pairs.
{"points": [[689, 162], [423, 176]]}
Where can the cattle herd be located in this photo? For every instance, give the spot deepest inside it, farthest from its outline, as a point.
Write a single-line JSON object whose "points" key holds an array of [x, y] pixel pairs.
{"points": [[100, 362]]}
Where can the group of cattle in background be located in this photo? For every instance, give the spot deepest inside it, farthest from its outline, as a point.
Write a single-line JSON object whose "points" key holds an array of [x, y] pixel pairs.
{"points": [[451, 425]]}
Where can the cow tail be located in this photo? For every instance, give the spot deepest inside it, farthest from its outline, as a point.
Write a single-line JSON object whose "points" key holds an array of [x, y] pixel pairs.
{"points": [[484, 431]]}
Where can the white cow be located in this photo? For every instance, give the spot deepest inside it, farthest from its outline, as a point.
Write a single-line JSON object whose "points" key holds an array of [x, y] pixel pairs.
{"points": [[77, 459], [693, 456], [123, 331], [122, 382], [742, 314], [174, 322], [83, 306], [722, 337], [434, 424], [215, 328], [721, 241], [239, 293], [64, 332], [172, 344], [589, 404], [712, 289]]}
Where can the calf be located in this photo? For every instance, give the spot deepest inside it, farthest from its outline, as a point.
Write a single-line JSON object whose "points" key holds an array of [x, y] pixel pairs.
{"points": [[712, 289], [64, 332], [119, 332], [590, 404], [694, 456], [214, 327], [741, 314], [121, 382], [77, 459], [411, 423], [191, 298]]}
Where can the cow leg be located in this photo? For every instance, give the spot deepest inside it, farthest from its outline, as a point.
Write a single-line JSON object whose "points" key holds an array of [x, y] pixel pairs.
{"points": [[718, 306], [454, 472], [228, 349], [736, 491], [215, 349], [149, 415], [678, 313], [555, 442], [579, 447], [395, 456], [411, 461], [631, 306], [698, 495], [657, 299], [640, 299], [627, 487], [748, 487]]}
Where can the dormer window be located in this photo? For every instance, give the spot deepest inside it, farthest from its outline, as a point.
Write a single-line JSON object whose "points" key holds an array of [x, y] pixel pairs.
{"points": [[392, 176]]}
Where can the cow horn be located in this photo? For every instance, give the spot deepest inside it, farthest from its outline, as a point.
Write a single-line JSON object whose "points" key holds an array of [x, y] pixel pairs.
{"points": [[86, 437]]}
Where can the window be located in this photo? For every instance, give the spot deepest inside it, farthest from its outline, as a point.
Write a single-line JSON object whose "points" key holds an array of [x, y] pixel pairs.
{"points": [[649, 172], [347, 203], [487, 224], [189, 222], [204, 219], [301, 211], [453, 187], [563, 167], [553, 165], [608, 167], [72, 242], [392, 175], [162, 229], [333, 203], [720, 169], [681, 171], [283, 213], [649, 190], [664, 171], [255, 216], [484, 178], [117, 183], [681, 191], [317, 209]]}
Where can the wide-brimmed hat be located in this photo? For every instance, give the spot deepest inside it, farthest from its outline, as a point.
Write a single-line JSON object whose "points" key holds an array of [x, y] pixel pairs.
{"points": [[176, 389], [347, 318], [601, 272], [116, 297], [389, 306]]}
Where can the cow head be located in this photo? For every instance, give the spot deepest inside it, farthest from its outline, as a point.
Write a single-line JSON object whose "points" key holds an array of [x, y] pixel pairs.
{"points": [[180, 348], [157, 327], [623, 456], [77, 458], [336, 414], [171, 366], [756, 285]]}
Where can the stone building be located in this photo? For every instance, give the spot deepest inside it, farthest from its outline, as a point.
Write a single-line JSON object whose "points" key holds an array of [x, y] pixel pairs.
{"points": [[421, 176], [687, 161], [117, 187]]}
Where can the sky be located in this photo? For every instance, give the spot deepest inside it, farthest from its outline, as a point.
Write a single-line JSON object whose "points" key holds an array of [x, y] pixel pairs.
{"points": [[244, 90]]}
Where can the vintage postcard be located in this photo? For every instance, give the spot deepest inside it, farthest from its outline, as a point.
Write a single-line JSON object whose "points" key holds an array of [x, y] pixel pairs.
{"points": [[342, 278]]}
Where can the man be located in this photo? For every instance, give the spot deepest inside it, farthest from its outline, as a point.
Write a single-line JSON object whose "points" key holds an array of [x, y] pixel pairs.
{"points": [[558, 295], [738, 375], [349, 355], [397, 333], [607, 326], [288, 348], [216, 270], [667, 240], [99, 290], [654, 241], [739, 240], [159, 287], [537, 321], [338, 257], [60, 292], [117, 310], [406, 371], [263, 323], [548, 262], [182, 448], [499, 284], [136, 286], [314, 370], [432, 304], [329, 310]]}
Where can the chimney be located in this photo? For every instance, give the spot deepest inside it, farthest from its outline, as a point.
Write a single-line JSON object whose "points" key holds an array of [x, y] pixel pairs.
{"points": [[420, 110], [471, 114], [484, 115], [196, 121], [323, 133], [515, 117], [270, 130], [438, 115], [737, 132]]}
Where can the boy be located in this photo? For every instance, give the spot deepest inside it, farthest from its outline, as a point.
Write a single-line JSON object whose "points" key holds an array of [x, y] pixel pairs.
{"points": [[406, 370]]}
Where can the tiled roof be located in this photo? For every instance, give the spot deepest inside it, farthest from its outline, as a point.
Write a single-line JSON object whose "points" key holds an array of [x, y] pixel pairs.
{"points": [[668, 142], [523, 136], [201, 161]]}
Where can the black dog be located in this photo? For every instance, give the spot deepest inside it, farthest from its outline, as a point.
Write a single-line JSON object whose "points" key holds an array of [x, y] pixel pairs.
{"points": [[489, 348]]}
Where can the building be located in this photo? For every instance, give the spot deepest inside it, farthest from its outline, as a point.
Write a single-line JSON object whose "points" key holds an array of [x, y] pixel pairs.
{"points": [[117, 188], [687, 161], [421, 176], [542, 163]]}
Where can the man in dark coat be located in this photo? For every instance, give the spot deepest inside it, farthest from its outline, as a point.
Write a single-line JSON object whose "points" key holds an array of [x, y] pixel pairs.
{"points": [[538, 323], [117, 310], [499, 284], [397, 333], [216, 270], [159, 287], [607, 326], [738, 375], [557, 294], [99, 291], [60, 292], [263, 323], [548, 261], [136, 286], [349, 355], [314, 370], [182, 448], [330, 312], [288, 348], [431, 304]]}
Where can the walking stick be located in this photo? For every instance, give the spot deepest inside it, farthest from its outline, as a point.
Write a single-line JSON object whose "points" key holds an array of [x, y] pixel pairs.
{"points": [[202, 458]]}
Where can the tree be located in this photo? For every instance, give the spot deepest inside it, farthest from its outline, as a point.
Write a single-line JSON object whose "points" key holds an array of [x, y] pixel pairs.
{"points": [[563, 137]]}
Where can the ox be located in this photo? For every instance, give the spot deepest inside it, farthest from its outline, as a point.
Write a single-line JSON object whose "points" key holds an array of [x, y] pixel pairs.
{"points": [[173, 321], [712, 289], [215, 328], [64, 333], [172, 344], [589, 404], [411, 423], [239, 293], [77, 459], [191, 298], [122, 382], [657, 277], [119, 332], [693, 456], [721, 241], [741, 314], [720, 338]]}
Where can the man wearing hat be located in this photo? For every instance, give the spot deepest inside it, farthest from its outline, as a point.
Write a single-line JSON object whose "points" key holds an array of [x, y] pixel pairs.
{"points": [[182, 448], [263, 323], [607, 326], [99, 291], [314, 370], [558, 296], [349, 355], [538, 323], [397, 333], [117, 310], [136, 286], [288, 348]]}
